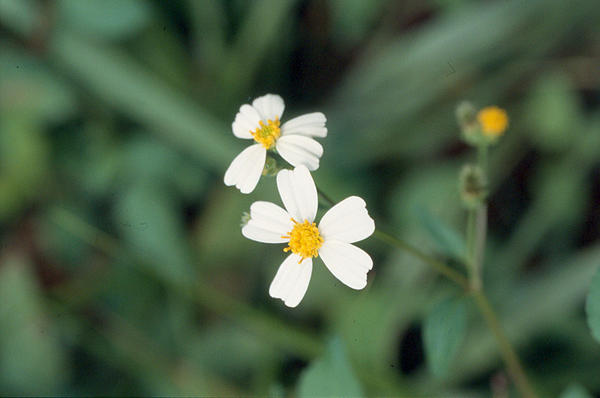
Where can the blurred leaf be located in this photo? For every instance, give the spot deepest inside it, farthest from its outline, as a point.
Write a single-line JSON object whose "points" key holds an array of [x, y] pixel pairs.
{"points": [[23, 162], [149, 223], [593, 306], [533, 303], [560, 191], [217, 346], [448, 240], [18, 14], [444, 330], [433, 187], [260, 32], [172, 61], [27, 86], [31, 361], [352, 19], [575, 391], [110, 19], [330, 376], [209, 30], [552, 113], [127, 86]]}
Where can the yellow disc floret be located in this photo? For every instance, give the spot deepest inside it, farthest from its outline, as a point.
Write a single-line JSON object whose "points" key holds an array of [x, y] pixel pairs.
{"points": [[493, 121], [268, 133], [305, 239]]}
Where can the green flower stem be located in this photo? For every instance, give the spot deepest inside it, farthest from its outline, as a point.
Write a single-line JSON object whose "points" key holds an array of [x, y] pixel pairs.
{"points": [[506, 350], [476, 236], [482, 157], [439, 266], [325, 197]]}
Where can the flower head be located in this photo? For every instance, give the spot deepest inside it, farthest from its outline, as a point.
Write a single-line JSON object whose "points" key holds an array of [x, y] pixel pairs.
{"points": [[292, 140], [345, 223], [493, 121]]}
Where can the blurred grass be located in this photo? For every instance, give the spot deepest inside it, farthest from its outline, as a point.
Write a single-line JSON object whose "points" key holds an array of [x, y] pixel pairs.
{"points": [[123, 270]]}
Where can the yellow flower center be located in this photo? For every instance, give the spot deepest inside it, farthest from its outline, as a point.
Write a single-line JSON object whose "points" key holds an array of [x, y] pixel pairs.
{"points": [[305, 240], [493, 121], [267, 133]]}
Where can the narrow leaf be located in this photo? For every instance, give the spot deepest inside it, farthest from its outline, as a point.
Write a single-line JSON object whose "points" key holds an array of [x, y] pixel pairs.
{"points": [[593, 306], [447, 239], [330, 376], [575, 391], [443, 332]]}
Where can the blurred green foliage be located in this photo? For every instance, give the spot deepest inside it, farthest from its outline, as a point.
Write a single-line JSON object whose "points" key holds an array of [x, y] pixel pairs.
{"points": [[123, 270]]}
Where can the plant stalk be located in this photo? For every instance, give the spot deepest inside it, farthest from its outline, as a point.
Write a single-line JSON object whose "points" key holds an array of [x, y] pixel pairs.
{"points": [[507, 352]]}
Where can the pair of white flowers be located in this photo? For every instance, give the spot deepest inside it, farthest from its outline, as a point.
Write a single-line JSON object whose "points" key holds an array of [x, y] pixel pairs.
{"points": [[345, 223]]}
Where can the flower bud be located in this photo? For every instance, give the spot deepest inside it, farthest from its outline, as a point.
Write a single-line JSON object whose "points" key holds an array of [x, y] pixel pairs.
{"points": [[244, 219], [271, 167], [466, 116], [473, 185]]}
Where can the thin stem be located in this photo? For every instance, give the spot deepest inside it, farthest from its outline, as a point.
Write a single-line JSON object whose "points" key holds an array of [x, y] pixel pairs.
{"points": [[476, 236], [439, 266], [325, 197], [482, 157], [506, 350]]}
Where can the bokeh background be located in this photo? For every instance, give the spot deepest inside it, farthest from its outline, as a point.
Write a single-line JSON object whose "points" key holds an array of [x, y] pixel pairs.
{"points": [[122, 267]]}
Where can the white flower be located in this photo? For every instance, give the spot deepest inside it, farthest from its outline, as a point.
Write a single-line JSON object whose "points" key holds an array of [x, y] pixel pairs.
{"points": [[261, 122], [345, 223]]}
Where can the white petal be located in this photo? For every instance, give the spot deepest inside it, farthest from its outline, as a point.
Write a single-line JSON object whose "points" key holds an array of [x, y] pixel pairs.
{"points": [[269, 106], [291, 281], [298, 193], [268, 223], [250, 114], [311, 124], [245, 170], [242, 127], [298, 149], [348, 221], [346, 262]]}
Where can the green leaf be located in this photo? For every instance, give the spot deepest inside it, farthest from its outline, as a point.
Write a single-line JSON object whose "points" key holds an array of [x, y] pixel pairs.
{"points": [[448, 240], [575, 391], [125, 84], [23, 162], [593, 306], [443, 332], [330, 376], [552, 113], [112, 19], [27, 86], [151, 227], [31, 362]]}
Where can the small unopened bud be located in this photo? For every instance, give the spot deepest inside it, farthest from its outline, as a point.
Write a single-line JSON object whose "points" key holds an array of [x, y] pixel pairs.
{"points": [[466, 115], [473, 185], [245, 219], [271, 167]]}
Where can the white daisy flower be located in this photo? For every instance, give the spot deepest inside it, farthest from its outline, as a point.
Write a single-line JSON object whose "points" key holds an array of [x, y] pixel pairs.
{"points": [[345, 223], [292, 140]]}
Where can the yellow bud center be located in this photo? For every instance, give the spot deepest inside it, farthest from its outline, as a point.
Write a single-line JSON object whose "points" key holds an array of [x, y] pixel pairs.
{"points": [[305, 239], [493, 121], [267, 134]]}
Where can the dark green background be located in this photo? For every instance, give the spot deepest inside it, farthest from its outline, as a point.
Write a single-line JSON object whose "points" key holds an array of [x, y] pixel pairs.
{"points": [[123, 270]]}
